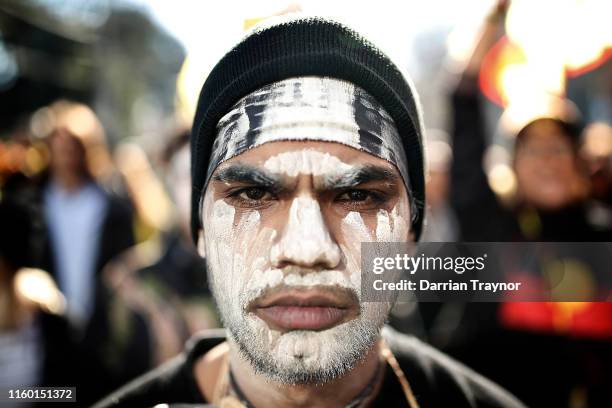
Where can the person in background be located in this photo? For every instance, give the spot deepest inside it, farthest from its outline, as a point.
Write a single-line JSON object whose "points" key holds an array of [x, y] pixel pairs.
{"points": [[83, 220], [571, 360], [36, 340], [552, 184]]}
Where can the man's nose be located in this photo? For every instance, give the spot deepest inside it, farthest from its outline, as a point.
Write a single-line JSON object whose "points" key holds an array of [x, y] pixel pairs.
{"points": [[305, 240]]}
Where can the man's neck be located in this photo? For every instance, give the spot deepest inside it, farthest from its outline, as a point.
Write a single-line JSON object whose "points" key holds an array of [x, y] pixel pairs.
{"points": [[263, 392], [69, 183]]}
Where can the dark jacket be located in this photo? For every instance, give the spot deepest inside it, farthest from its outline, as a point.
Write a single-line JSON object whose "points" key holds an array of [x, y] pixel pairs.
{"points": [[436, 380]]}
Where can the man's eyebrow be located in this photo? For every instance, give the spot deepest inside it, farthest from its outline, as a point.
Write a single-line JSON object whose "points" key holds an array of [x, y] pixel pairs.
{"points": [[360, 175], [242, 173]]}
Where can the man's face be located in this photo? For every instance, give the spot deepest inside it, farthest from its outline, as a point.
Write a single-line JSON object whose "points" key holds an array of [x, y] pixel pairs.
{"points": [[67, 153], [282, 226], [546, 166]]}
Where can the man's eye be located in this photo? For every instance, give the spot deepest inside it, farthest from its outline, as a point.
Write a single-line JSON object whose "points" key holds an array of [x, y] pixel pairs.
{"points": [[253, 193], [251, 197], [354, 195], [360, 196], [361, 200]]}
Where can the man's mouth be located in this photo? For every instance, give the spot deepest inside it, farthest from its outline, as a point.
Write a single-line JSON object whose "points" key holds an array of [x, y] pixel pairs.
{"points": [[305, 309]]}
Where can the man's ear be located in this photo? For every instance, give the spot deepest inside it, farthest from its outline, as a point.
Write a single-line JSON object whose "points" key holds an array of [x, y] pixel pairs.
{"points": [[201, 246]]}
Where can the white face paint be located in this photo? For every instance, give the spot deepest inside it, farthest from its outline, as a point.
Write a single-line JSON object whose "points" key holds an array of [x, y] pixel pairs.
{"points": [[306, 239], [307, 161], [247, 259], [392, 227]]}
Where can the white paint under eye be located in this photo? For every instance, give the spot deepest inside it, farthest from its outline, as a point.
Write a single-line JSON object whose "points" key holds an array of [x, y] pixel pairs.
{"points": [[228, 252], [401, 225], [354, 229], [383, 226], [222, 218], [306, 161], [306, 239], [248, 222], [391, 227], [218, 223]]}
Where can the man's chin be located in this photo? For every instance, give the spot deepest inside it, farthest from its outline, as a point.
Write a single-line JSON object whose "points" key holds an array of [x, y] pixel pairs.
{"points": [[304, 356]]}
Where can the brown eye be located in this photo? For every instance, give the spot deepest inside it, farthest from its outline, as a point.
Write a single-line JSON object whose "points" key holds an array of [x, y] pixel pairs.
{"points": [[355, 195], [251, 197], [253, 193], [361, 200]]}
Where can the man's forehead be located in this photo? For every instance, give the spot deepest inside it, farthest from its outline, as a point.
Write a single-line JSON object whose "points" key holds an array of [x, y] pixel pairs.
{"points": [[308, 153], [331, 161]]}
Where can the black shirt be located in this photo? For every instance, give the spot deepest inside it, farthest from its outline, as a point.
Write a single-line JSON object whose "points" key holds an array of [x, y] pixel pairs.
{"points": [[436, 379]]}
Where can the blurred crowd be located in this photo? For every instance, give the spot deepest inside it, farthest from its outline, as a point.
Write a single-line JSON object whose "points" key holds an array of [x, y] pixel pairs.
{"points": [[100, 282], [82, 297], [553, 183]]}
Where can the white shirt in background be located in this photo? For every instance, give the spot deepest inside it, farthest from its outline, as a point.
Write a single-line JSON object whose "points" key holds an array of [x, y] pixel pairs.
{"points": [[75, 219]]}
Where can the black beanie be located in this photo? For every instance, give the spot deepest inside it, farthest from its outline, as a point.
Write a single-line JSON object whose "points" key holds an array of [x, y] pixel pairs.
{"points": [[305, 47]]}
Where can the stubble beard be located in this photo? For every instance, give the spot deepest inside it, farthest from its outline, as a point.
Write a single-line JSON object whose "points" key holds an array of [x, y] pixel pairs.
{"points": [[300, 357]]}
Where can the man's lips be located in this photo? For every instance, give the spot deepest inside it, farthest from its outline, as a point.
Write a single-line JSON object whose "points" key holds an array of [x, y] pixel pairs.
{"points": [[286, 318], [299, 310]]}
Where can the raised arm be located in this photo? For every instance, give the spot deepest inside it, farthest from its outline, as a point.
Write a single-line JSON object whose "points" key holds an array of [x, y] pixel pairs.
{"points": [[478, 212]]}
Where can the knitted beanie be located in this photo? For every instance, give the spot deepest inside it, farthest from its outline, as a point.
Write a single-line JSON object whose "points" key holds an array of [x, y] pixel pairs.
{"points": [[306, 47]]}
